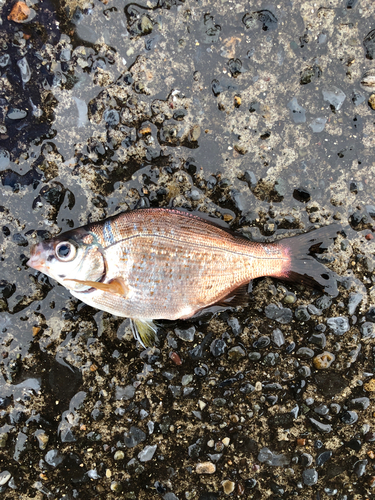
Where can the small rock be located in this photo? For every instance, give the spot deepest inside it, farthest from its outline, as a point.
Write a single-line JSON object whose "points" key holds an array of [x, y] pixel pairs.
{"points": [[354, 300], [349, 417], [218, 347], [4, 477], [205, 468], [228, 487], [323, 457], [54, 458], [360, 467], [323, 360], [236, 353], [297, 112], [134, 437], [326, 428], [368, 330], [281, 314], [147, 453], [186, 335], [309, 477], [335, 97], [278, 337], [338, 325]]}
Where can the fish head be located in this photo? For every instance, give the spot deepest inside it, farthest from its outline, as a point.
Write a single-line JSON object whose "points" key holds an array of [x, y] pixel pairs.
{"points": [[70, 256]]}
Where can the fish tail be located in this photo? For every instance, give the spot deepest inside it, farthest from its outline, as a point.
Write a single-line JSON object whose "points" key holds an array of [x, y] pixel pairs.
{"points": [[302, 267]]}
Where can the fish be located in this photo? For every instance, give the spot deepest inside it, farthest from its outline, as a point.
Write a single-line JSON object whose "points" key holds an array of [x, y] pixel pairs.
{"points": [[167, 264]]}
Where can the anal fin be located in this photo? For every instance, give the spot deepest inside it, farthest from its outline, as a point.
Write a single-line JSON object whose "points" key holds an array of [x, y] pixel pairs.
{"points": [[237, 297], [144, 330]]}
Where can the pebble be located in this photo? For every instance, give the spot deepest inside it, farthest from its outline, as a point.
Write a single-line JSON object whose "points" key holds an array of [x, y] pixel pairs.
{"points": [[54, 458], [281, 314], [186, 335], [265, 455], [360, 467], [370, 315], [278, 337], [368, 330], [4, 477], [326, 428], [354, 300], [297, 112], [262, 342], [323, 457], [119, 455], [236, 353], [218, 347], [338, 325], [4, 158], [334, 96], [305, 353], [318, 124], [369, 44], [309, 477], [205, 468], [147, 453], [318, 339], [134, 437], [360, 403], [323, 360], [228, 487], [301, 313], [306, 459], [349, 417]]}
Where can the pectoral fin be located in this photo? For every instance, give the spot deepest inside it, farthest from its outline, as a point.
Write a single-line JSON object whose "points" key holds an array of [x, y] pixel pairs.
{"points": [[115, 286], [144, 330]]}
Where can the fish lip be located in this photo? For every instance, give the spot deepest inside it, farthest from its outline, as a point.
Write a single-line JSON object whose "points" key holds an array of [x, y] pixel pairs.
{"points": [[36, 261]]}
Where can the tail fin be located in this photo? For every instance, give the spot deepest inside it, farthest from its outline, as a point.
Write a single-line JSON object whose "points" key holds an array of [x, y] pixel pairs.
{"points": [[304, 268]]}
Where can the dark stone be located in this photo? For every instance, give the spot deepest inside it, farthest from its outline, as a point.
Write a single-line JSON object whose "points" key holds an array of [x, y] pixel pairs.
{"points": [[323, 302], [326, 428], [330, 384], [134, 437], [357, 98], [281, 314], [360, 467], [301, 194], [323, 457], [305, 353], [354, 444], [369, 43], [6, 289], [284, 420], [20, 240], [271, 359], [359, 403], [262, 342], [368, 330], [370, 315], [349, 417], [218, 347], [217, 89], [301, 313], [318, 339], [338, 325], [310, 477]]}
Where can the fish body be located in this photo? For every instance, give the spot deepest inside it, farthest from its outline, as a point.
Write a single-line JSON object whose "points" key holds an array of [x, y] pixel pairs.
{"points": [[165, 264]]}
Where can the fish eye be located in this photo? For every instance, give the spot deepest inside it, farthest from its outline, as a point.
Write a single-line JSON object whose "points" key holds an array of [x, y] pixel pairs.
{"points": [[65, 251]]}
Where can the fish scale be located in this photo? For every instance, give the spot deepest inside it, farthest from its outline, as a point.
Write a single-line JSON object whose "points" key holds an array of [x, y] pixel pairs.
{"points": [[168, 264]]}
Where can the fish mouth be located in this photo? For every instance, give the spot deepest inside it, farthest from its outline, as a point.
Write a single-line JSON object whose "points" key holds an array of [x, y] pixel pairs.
{"points": [[37, 260]]}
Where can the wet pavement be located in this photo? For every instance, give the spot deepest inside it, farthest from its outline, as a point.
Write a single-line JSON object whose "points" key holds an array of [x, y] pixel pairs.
{"points": [[259, 114]]}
